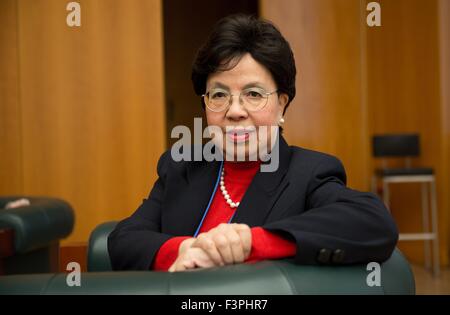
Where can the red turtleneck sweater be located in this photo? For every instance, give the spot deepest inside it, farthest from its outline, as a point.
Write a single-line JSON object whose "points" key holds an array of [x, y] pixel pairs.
{"points": [[265, 245]]}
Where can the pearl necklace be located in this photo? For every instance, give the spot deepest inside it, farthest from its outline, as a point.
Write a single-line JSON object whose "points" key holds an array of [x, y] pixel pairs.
{"points": [[225, 192]]}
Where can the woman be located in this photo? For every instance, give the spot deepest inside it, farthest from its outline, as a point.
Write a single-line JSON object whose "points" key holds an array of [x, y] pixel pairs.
{"points": [[202, 214]]}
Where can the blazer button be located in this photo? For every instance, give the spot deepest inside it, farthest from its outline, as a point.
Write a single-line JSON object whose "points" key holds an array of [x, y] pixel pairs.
{"points": [[324, 256], [338, 256]]}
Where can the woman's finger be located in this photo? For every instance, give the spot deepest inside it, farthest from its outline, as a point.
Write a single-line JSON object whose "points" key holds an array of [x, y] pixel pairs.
{"points": [[223, 246], [236, 246], [201, 259], [246, 239], [205, 242], [182, 263], [187, 264]]}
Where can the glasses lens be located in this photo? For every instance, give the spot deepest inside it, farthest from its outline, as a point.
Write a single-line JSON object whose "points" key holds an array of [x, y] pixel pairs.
{"points": [[254, 99], [217, 99]]}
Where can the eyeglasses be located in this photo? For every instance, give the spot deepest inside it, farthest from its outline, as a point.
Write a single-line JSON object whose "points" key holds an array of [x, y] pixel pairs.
{"points": [[253, 99]]}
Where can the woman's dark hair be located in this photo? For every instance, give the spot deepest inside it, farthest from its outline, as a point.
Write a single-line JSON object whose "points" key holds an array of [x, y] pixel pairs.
{"points": [[236, 35]]}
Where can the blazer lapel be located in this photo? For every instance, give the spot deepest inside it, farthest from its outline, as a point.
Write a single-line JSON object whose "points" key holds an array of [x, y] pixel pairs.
{"points": [[186, 211], [264, 191]]}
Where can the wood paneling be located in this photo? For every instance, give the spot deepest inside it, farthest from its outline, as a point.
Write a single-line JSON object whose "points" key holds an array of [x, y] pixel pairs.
{"points": [[328, 113], [73, 252], [91, 105], [444, 40], [403, 79], [10, 124], [355, 81]]}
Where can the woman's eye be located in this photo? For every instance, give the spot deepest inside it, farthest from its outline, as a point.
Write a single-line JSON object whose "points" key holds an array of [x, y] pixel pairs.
{"points": [[218, 95], [253, 94]]}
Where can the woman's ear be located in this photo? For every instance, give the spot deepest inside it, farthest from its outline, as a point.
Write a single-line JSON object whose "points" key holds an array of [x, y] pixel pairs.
{"points": [[283, 99]]}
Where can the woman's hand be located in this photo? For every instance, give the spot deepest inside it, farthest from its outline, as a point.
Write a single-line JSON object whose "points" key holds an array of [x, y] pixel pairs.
{"points": [[223, 245], [226, 244], [190, 257]]}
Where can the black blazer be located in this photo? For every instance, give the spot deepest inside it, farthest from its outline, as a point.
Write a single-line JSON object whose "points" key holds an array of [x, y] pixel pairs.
{"points": [[305, 200]]}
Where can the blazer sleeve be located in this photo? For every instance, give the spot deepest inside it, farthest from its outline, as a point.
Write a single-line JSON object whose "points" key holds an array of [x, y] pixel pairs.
{"points": [[339, 225], [135, 241]]}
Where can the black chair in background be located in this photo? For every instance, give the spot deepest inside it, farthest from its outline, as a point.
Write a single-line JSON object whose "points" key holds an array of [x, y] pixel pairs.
{"points": [[407, 146], [30, 234]]}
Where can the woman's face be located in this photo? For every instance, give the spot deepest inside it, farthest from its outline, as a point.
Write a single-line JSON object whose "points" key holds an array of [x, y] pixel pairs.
{"points": [[240, 126]]}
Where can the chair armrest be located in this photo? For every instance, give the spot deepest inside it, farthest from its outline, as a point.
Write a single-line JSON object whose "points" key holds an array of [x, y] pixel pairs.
{"points": [[98, 256], [37, 225], [261, 278], [267, 277]]}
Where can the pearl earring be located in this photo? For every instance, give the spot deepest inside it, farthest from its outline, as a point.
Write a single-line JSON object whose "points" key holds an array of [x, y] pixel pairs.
{"points": [[281, 121]]}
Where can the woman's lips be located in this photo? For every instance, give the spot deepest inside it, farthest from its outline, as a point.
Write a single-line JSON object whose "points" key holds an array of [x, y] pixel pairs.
{"points": [[239, 136], [242, 137]]}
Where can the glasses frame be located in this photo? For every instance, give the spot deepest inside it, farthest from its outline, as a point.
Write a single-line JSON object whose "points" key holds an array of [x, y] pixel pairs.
{"points": [[266, 94]]}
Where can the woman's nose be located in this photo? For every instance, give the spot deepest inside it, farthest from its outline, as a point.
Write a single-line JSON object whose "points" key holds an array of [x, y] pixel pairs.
{"points": [[236, 110]]}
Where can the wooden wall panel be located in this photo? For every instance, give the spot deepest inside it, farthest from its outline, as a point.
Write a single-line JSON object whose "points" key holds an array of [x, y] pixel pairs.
{"points": [[403, 79], [92, 107], [355, 81], [444, 41], [10, 125], [328, 113]]}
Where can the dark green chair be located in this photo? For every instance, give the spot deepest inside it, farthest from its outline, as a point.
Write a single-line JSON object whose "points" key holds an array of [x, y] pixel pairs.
{"points": [[97, 256], [34, 231], [262, 278]]}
